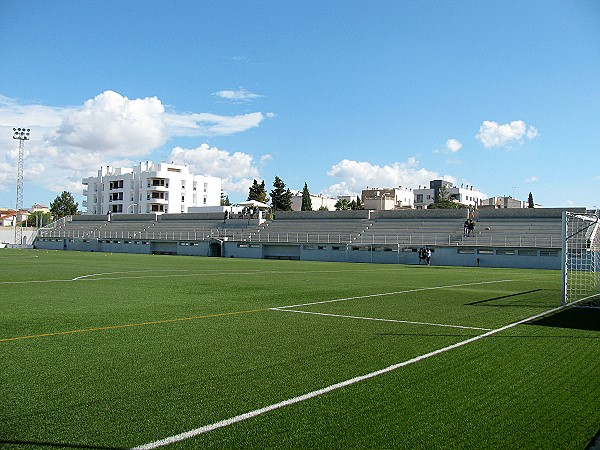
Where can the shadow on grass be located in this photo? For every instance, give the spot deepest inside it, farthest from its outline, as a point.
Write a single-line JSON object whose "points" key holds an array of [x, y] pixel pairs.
{"points": [[39, 444], [501, 298], [574, 318]]}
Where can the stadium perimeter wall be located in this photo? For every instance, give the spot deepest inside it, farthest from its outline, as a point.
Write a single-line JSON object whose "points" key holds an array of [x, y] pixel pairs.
{"points": [[520, 257]]}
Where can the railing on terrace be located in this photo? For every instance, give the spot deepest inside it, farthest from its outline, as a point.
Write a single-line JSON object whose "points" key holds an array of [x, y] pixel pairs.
{"points": [[302, 238], [453, 240], [323, 238]]}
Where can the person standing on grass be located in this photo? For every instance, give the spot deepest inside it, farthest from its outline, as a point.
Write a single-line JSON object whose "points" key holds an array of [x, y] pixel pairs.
{"points": [[428, 256]]}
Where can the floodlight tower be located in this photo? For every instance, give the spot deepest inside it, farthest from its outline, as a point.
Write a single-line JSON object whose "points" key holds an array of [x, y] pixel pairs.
{"points": [[22, 135]]}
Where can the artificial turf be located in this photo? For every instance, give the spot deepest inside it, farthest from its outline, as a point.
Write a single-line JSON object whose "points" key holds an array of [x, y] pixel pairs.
{"points": [[107, 350]]}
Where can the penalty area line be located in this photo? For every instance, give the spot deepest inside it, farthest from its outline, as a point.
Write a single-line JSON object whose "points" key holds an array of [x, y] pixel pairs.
{"points": [[385, 294], [257, 412], [382, 320]]}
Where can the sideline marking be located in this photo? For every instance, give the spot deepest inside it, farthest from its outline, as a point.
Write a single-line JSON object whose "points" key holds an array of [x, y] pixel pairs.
{"points": [[257, 412], [129, 325], [196, 273], [81, 277], [381, 320]]}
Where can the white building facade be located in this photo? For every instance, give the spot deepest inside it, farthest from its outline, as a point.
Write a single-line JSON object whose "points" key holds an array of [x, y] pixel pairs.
{"points": [[387, 198], [468, 196], [149, 188], [317, 201]]}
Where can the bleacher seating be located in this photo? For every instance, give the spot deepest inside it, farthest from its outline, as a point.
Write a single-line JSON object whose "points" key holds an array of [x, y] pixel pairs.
{"points": [[306, 231], [497, 228], [414, 232]]}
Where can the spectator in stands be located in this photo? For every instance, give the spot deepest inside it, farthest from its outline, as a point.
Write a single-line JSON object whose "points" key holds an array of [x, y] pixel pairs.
{"points": [[471, 227], [466, 228]]}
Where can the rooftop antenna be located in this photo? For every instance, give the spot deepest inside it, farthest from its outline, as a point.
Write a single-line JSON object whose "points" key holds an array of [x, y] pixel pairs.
{"points": [[22, 135]]}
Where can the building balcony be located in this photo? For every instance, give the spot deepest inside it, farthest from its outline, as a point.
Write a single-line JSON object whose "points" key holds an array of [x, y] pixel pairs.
{"points": [[159, 201], [157, 188]]}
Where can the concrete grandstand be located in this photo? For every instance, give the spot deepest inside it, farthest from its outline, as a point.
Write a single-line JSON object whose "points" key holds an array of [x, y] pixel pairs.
{"points": [[520, 238]]}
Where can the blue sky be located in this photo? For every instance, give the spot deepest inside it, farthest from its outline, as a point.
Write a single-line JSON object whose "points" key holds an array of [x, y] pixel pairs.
{"points": [[503, 96]]}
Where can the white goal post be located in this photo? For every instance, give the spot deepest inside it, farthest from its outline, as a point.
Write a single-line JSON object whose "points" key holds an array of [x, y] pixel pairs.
{"points": [[581, 259]]}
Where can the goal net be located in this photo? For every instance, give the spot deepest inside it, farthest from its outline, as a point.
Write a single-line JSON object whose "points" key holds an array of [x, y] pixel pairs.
{"points": [[581, 260]]}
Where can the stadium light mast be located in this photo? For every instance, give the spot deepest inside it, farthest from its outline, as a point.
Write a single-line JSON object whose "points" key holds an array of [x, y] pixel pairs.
{"points": [[22, 135]]}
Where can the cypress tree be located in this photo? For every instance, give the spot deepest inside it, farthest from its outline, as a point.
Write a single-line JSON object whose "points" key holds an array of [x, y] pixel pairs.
{"points": [[306, 201]]}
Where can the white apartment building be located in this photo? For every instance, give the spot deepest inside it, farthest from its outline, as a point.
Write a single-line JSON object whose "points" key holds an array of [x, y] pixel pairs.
{"points": [[387, 198], [507, 202], [467, 196], [149, 188], [317, 201]]}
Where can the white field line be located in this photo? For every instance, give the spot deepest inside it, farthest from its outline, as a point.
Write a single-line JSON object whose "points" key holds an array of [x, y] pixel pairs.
{"points": [[395, 293], [99, 277], [381, 320], [122, 272], [257, 412]]}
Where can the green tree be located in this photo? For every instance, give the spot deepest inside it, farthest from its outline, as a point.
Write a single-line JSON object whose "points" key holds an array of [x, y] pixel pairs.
{"points": [[281, 198], [258, 192], [306, 201], [530, 203], [342, 205], [359, 204], [63, 205], [444, 200], [38, 219], [225, 199]]}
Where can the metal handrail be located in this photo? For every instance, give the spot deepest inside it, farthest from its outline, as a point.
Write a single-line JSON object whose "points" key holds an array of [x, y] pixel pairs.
{"points": [[545, 241]]}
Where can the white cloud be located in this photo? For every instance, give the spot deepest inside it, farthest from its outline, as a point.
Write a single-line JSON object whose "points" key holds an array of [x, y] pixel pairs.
{"points": [[240, 95], [113, 125], [357, 175], [237, 170], [453, 145], [69, 143], [206, 124], [531, 179], [493, 135]]}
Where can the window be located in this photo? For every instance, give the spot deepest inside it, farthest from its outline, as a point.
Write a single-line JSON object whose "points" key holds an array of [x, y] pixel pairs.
{"points": [[505, 251], [115, 185]]}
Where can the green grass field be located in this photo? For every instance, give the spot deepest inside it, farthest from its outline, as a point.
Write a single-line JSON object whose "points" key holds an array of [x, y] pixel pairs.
{"points": [[112, 351]]}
